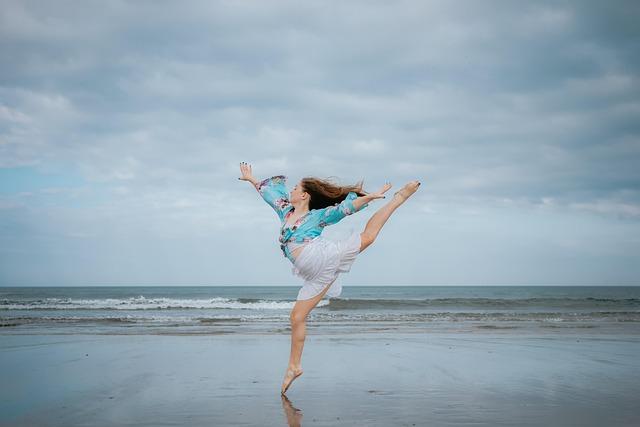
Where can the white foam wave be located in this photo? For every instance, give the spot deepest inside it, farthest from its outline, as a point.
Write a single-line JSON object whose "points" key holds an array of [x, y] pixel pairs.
{"points": [[144, 303]]}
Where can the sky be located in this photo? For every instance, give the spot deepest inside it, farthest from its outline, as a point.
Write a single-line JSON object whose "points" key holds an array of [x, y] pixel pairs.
{"points": [[122, 126]]}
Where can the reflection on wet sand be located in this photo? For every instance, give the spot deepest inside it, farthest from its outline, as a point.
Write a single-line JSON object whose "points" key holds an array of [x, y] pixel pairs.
{"points": [[293, 414]]}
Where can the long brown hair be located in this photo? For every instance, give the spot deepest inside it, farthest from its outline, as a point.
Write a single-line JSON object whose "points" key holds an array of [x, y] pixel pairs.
{"points": [[325, 193]]}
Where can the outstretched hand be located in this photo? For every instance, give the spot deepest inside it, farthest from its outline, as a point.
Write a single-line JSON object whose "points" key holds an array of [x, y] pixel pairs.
{"points": [[245, 170], [380, 193]]}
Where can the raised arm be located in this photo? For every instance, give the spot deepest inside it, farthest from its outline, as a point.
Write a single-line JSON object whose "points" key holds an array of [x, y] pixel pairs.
{"points": [[362, 202], [273, 190], [351, 204]]}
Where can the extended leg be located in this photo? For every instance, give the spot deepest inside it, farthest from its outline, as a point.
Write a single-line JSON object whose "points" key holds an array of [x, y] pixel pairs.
{"points": [[375, 223]]}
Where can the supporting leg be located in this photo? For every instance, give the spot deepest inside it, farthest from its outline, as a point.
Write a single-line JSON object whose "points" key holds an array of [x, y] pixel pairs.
{"points": [[298, 317]]}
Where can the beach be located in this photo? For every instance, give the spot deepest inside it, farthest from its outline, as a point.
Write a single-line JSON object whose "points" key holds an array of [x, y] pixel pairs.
{"points": [[376, 356], [379, 379]]}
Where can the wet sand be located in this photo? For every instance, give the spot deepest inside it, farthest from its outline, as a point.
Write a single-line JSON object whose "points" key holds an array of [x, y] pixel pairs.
{"points": [[370, 379]]}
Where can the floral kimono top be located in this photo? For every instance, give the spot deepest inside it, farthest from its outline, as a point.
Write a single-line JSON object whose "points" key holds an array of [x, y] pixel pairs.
{"points": [[308, 226]]}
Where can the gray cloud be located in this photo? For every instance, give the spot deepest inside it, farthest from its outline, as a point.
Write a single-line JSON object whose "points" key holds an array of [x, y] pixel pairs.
{"points": [[513, 115]]}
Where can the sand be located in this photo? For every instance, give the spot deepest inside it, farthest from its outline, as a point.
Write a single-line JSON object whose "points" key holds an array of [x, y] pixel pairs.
{"points": [[374, 379]]}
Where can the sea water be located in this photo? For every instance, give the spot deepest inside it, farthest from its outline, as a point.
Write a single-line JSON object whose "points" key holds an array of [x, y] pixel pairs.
{"points": [[266, 309]]}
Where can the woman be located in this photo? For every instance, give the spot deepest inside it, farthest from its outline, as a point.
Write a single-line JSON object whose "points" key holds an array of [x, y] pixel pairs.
{"points": [[312, 205]]}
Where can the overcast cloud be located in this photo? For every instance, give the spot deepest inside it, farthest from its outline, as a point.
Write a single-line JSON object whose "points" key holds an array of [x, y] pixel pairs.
{"points": [[122, 125]]}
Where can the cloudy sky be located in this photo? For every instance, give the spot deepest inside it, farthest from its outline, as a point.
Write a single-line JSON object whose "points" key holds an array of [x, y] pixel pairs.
{"points": [[122, 125]]}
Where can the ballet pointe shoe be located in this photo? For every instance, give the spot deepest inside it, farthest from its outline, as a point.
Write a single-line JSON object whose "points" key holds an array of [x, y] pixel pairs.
{"points": [[405, 192], [291, 375]]}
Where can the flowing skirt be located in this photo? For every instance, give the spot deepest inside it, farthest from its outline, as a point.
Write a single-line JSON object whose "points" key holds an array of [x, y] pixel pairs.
{"points": [[320, 263]]}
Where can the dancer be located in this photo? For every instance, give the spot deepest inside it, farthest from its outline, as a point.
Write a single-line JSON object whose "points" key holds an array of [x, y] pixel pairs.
{"points": [[312, 205]]}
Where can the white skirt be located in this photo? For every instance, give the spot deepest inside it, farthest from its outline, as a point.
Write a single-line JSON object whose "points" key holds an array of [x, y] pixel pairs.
{"points": [[321, 261]]}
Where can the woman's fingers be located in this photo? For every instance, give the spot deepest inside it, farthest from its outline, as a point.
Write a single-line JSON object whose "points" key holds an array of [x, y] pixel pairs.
{"points": [[380, 194], [385, 188], [245, 168]]}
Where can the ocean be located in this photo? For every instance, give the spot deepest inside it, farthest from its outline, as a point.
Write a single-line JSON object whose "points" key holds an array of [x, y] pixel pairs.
{"points": [[376, 356], [178, 310]]}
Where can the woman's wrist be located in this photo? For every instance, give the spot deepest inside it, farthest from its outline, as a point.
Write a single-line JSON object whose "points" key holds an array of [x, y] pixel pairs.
{"points": [[253, 181], [359, 202]]}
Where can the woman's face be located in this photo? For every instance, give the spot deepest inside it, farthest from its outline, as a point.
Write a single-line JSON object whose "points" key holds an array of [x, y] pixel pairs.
{"points": [[298, 194]]}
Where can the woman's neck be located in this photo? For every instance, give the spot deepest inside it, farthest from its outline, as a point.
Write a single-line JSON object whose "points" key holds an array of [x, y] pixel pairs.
{"points": [[300, 208]]}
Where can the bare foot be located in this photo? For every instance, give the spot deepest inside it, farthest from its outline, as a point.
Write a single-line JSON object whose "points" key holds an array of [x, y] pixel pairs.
{"points": [[292, 374], [405, 192]]}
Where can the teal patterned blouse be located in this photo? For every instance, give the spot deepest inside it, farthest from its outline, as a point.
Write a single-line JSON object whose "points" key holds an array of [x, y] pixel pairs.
{"points": [[308, 226]]}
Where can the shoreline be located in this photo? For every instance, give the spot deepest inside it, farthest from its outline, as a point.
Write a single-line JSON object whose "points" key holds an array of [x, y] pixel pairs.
{"points": [[319, 326], [384, 378]]}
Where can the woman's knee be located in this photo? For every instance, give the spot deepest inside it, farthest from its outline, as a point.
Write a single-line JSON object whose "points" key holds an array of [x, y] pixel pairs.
{"points": [[297, 316]]}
